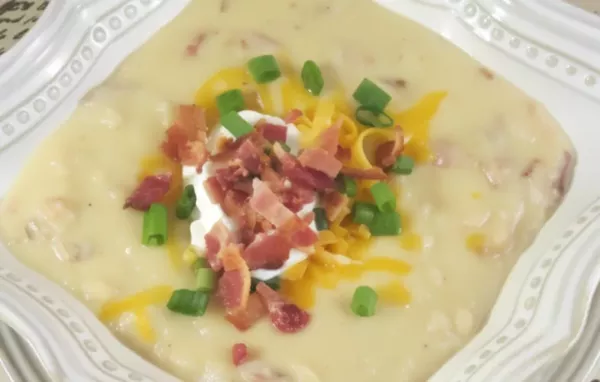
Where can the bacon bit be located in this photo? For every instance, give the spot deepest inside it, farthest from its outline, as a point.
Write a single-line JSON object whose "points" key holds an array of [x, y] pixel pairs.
{"points": [[329, 138], [234, 202], [151, 190], [299, 232], [273, 132], [266, 203], [275, 181], [250, 156], [192, 48], [217, 240], [566, 174], [215, 191], [244, 319], [396, 83], [292, 116], [267, 251], [373, 173], [239, 354], [228, 176], [186, 138], [488, 74], [334, 203], [387, 153], [526, 173], [234, 284], [310, 178], [286, 317], [343, 154], [321, 160], [296, 197]]}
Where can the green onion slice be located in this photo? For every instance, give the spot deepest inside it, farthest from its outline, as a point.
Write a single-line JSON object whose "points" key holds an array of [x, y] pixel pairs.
{"points": [[285, 147], [349, 186], [236, 125], [274, 283], [384, 197], [363, 213], [321, 219], [206, 279], [370, 95], [201, 263], [312, 78], [154, 232], [186, 203], [385, 223], [404, 165], [231, 100], [369, 116], [264, 69], [188, 302], [364, 301]]}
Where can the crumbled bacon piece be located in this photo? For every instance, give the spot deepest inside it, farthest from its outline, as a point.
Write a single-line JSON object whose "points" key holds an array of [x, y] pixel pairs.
{"points": [[292, 169], [329, 138], [372, 173], [266, 203], [192, 48], [217, 240], [566, 174], [527, 171], [296, 196], [274, 133], [239, 354], [321, 160], [334, 203], [343, 154], [292, 116], [151, 190], [387, 153], [267, 251], [215, 191], [230, 175], [286, 317], [250, 157], [186, 138], [234, 283], [244, 319]]}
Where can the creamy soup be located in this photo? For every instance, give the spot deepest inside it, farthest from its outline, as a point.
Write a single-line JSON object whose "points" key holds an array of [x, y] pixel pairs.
{"points": [[493, 167]]}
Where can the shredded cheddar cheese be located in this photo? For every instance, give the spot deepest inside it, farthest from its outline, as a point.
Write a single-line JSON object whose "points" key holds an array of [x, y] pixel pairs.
{"points": [[143, 326], [475, 242], [394, 293], [156, 295]]}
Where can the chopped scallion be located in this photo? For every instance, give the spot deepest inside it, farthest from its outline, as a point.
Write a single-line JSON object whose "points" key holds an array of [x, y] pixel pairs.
{"points": [[201, 262], [236, 125], [186, 202], [205, 279], [363, 213], [274, 283], [188, 302], [349, 186], [285, 147], [312, 77], [231, 100], [384, 196], [364, 301], [385, 223], [370, 95], [264, 69], [368, 116], [321, 219], [154, 232], [404, 165]]}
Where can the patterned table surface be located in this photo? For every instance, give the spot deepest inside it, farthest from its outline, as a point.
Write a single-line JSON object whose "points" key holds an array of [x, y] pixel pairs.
{"points": [[16, 18]]}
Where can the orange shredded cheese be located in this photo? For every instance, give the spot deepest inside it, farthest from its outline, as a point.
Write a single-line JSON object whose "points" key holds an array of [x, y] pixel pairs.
{"points": [[393, 292]]}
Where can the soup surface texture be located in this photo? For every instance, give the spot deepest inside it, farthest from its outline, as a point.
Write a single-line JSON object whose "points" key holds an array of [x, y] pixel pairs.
{"points": [[498, 166]]}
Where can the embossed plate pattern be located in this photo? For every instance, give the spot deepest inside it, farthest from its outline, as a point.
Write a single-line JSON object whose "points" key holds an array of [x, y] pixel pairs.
{"points": [[544, 304]]}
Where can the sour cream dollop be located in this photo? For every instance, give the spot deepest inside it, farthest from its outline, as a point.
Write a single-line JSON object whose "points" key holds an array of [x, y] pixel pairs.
{"points": [[206, 214]]}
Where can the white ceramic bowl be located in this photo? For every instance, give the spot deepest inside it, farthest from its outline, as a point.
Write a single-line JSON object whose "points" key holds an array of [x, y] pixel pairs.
{"points": [[549, 49]]}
